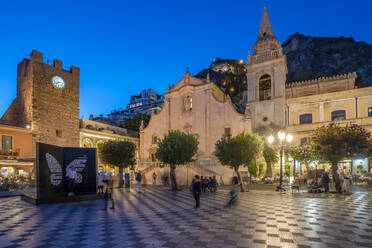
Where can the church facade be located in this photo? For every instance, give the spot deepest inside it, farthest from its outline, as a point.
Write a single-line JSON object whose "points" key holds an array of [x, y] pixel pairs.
{"points": [[198, 107]]}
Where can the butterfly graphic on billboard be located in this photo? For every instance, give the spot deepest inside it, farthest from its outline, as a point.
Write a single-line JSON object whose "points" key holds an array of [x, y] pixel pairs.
{"points": [[56, 169], [79, 165]]}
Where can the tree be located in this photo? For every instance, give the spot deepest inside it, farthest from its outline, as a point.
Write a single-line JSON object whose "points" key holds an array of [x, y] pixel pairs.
{"points": [[287, 169], [240, 150], [303, 154], [177, 148], [261, 169], [269, 153], [135, 122], [271, 157], [119, 153], [334, 143], [252, 169]]}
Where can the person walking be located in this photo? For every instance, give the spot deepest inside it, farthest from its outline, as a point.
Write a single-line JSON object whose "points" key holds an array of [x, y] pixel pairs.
{"points": [[127, 180], [71, 177], [109, 192], [154, 178], [325, 181], [346, 183], [234, 192], [138, 179], [100, 183], [195, 188]]}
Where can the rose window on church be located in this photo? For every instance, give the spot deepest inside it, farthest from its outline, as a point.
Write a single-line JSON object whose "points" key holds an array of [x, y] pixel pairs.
{"points": [[265, 87]]}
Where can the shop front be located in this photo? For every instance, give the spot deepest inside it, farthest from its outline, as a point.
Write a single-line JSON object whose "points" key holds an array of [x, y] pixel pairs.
{"points": [[348, 167]]}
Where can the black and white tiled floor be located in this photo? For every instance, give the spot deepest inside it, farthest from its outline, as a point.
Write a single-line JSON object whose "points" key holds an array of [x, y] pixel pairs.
{"points": [[161, 218]]}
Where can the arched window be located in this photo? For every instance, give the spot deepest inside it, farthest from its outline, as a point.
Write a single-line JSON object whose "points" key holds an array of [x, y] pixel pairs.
{"points": [[153, 157], [338, 115], [370, 112], [265, 87], [154, 139], [306, 118], [87, 143], [227, 131]]}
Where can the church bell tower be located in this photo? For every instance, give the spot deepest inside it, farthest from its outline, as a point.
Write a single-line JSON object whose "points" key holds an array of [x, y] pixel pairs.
{"points": [[266, 76]]}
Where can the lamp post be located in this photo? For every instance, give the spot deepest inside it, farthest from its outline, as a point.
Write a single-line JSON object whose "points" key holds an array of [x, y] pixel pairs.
{"points": [[283, 137]]}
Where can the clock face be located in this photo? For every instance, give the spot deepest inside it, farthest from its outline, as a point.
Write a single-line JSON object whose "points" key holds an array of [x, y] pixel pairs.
{"points": [[58, 82]]}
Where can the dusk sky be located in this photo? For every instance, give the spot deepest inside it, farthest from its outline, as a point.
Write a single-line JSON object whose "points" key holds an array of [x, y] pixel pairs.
{"points": [[122, 47]]}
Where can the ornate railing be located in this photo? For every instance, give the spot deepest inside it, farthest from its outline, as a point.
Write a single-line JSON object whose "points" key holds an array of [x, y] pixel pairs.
{"points": [[264, 57]]}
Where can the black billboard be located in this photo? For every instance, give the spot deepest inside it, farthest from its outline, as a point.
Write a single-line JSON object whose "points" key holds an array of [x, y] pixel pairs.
{"points": [[52, 163]]}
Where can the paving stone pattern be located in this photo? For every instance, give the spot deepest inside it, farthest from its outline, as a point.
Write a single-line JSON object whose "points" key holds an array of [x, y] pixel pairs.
{"points": [[161, 218]]}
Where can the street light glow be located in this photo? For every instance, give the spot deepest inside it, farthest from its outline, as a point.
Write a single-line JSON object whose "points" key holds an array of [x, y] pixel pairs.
{"points": [[289, 138], [270, 139], [281, 135]]}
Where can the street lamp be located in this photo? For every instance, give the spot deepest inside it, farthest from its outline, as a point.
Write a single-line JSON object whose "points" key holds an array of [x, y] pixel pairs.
{"points": [[283, 137]]}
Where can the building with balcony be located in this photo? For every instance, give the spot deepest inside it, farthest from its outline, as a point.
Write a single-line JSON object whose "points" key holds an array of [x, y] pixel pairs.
{"points": [[15, 151]]}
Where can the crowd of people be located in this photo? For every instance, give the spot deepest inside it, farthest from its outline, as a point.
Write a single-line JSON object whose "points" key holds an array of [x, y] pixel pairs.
{"points": [[205, 184], [15, 183], [105, 183], [321, 183], [208, 184]]}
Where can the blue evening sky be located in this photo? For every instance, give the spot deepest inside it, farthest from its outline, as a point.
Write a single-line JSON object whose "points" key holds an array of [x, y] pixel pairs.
{"points": [[123, 47]]}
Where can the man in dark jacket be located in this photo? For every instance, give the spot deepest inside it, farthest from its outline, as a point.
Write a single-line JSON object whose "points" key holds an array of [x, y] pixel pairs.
{"points": [[139, 179], [325, 181], [196, 190]]}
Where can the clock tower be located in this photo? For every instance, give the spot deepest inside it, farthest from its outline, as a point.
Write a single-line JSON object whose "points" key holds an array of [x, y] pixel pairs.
{"points": [[47, 102]]}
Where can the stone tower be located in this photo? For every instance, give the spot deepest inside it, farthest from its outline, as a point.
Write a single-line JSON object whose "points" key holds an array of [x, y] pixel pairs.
{"points": [[266, 76], [47, 102]]}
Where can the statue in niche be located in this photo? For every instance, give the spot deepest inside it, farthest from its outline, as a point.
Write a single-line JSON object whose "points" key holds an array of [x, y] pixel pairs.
{"points": [[187, 129], [188, 103]]}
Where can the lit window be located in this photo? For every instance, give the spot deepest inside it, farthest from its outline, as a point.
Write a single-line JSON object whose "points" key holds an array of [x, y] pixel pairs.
{"points": [[7, 143], [338, 115], [306, 118], [370, 112]]}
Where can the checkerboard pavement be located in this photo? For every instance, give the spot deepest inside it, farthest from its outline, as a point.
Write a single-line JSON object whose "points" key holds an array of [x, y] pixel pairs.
{"points": [[162, 218]]}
